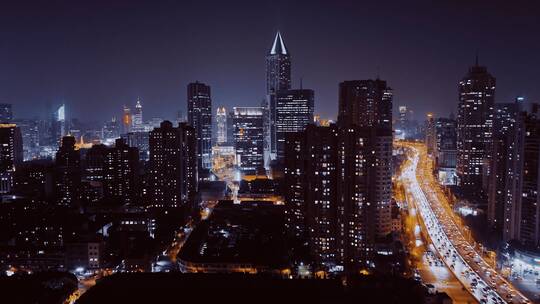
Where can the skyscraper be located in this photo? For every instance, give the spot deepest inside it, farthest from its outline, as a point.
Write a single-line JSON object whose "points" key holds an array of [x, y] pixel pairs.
{"points": [[278, 67], [173, 165], [445, 154], [330, 175], [504, 142], [94, 165], [127, 120], [6, 113], [248, 125], [120, 172], [221, 122], [278, 78], [199, 105], [111, 130], [138, 140], [138, 117], [294, 111], [431, 135], [68, 172], [58, 125], [475, 126], [368, 104], [404, 116], [11, 155], [522, 201], [445, 132], [30, 133], [365, 103], [529, 196]]}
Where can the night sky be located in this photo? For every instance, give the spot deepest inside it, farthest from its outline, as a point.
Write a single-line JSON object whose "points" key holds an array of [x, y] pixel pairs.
{"points": [[98, 55]]}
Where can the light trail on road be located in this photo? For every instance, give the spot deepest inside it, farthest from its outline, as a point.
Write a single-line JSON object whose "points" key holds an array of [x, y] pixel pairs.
{"points": [[479, 278]]}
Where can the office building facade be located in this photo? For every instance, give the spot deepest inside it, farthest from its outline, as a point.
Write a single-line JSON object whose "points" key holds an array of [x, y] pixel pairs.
{"points": [[294, 111], [278, 78], [199, 105], [474, 127], [248, 124]]}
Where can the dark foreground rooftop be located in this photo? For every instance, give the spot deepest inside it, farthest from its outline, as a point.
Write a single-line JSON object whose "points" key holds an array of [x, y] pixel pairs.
{"points": [[239, 289], [239, 233], [41, 287]]}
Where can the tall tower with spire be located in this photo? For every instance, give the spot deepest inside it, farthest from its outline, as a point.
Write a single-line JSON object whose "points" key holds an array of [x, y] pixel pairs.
{"points": [[278, 67], [278, 78]]}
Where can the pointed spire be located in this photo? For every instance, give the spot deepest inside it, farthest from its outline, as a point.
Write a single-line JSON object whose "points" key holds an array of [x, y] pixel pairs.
{"points": [[138, 105], [278, 47]]}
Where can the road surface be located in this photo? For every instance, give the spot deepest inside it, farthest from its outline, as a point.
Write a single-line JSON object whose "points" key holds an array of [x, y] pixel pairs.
{"points": [[447, 234]]}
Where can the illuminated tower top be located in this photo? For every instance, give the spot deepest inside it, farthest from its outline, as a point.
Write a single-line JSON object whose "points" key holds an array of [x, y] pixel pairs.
{"points": [[278, 67], [138, 106], [278, 47]]}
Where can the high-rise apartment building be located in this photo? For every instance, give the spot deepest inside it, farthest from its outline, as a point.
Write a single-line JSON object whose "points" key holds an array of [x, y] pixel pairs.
{"points": [[199, 105], [120, 172], [138, 140], [68, 172], [505, 118], [338, 183], [368, 104], [330, 177], [522, 201], [475, 127], [445, 150], [173, 165], [445, 132], [431, 135], [294, 111], [365, 103], [529, 196], [94, 163], [248, 124], [11, 155]]}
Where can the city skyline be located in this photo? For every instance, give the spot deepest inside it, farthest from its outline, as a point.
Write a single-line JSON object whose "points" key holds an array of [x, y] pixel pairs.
{"points": [[156, 60], [367, 152]]}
